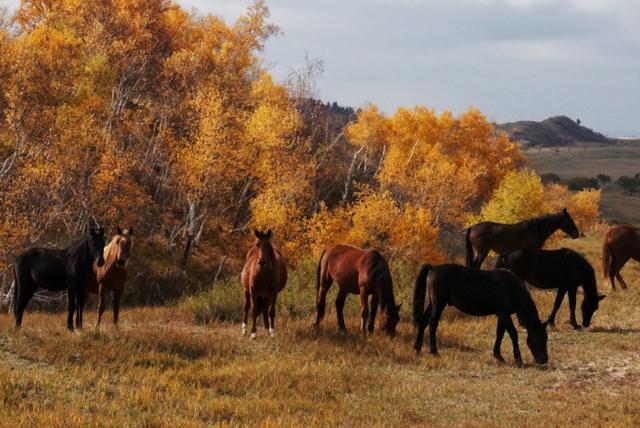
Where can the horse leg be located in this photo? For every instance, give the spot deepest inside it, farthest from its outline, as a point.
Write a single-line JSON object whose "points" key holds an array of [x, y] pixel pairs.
{"points": [[71, 307], [321, 300], [79, 307], [513, 333], [100, 305], [556, 305], [434, 319], [572, 308], [246, 305], [272, 315], [480, 259], [612, 272], [25, 289], [422, 324], [364, 309], [117, 295], [374, 310], [255, 310], [617, 267], [340, 300], [500, 329], [265, 313]]}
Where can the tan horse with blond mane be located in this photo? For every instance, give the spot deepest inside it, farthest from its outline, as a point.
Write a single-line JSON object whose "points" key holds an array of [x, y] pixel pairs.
{"points": [[264, 275], [112, 276]]}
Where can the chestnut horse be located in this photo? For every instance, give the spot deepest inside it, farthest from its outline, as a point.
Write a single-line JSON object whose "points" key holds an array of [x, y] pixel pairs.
{"points": [[264, 275], [112, 275], [500, 238], [620, 244], [362, 272]]}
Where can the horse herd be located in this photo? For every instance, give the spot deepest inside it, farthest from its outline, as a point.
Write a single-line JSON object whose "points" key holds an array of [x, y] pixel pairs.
{"points": [[88, 266]]}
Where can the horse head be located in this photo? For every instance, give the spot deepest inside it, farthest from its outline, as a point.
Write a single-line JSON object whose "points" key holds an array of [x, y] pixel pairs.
{"points": [[123, 243], [537, 342], [389, 320], [96, 245], [589, 306], [567, 225], [265, 252]]}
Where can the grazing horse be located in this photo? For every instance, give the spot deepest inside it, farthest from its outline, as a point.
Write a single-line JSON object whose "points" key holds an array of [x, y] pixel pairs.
{"points": [[264, 275], [56, 270], [479, 293], [485, 236], [362, 272], [563, 269], [112, 275], [620, 244]]}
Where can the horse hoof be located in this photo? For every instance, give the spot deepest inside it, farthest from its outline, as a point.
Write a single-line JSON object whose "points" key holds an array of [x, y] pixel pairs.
{"points": [[253, 336], [499, 359], [272, 332]]}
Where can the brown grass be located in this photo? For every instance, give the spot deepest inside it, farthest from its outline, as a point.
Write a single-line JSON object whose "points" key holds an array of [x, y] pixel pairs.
{"points": [[164, 369]]}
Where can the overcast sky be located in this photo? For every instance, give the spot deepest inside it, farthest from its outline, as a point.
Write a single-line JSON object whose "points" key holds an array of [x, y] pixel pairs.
{"points": [[514, 59]]}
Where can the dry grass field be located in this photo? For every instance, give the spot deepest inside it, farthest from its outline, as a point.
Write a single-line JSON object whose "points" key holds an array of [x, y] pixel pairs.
{"points": [[163, 368], [589, 160]]}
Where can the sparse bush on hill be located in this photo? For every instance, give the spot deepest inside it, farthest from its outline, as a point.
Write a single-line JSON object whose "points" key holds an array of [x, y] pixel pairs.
{"points": [[581, 183], [630, 185]]}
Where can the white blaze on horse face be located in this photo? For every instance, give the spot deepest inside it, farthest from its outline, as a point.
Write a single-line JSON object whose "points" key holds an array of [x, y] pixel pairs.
{"points": [[253, 336], [244, 329]]}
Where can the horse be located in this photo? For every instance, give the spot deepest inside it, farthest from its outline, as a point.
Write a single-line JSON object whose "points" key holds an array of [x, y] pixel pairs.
{"points": [[264, 275], [485, 236], [620, 244], [478, 293], [362, 272], [112, 275], [57, 270], [563, 269]]}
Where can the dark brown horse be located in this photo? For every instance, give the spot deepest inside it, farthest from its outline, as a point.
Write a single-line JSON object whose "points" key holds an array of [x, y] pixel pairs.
{"points": [[620, 244], [362, 272], [57, 270], [478, 293], [563, 269], [264, 275], [112, 275], [500, 238]]}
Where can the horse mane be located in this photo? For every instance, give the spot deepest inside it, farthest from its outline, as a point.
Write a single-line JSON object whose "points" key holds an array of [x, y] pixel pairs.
{"points": [[527, 312], [382, 274], [543, 225], [75, 250], [110, 254]]}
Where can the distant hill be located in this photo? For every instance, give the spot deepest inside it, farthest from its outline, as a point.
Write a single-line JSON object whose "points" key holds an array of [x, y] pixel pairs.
{"points": [[553, 132]]}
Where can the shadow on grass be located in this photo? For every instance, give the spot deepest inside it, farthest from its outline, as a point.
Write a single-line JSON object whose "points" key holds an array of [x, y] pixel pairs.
{"points": [[620, 330]]}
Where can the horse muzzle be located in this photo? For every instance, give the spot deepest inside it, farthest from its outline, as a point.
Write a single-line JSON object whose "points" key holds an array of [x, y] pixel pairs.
{"points": [[121, 263]]}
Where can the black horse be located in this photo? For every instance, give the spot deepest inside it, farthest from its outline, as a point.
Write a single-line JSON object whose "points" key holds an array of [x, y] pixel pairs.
{"points": [[57, 270], [500, 238], [479, 293], [563, 269]]}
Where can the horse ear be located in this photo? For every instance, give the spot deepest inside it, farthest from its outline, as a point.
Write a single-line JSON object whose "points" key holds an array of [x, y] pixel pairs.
{"points": [[130, 230], [257, 233], [398, 307], [92, 231], [118, 230], [269, 234], [564, 210], [101, 230], [602, 297]]}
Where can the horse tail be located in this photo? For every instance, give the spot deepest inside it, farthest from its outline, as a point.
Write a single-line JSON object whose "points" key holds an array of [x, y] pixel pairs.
{"points": [[468, 247], [419, 293], [319, 271], [14, 287], [606, 256]]}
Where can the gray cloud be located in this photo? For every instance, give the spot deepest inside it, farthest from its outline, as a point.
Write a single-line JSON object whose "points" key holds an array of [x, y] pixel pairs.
{"points": [[514, 59]]}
